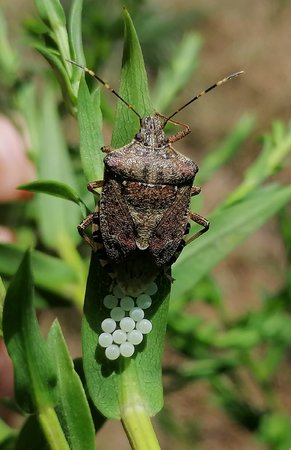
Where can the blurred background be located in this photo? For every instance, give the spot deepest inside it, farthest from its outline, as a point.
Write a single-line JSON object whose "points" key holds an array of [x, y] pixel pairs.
{"points": [[218, 38]]}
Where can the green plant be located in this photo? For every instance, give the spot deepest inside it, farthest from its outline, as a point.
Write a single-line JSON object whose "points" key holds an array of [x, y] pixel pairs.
{"points": [[47, 385]]}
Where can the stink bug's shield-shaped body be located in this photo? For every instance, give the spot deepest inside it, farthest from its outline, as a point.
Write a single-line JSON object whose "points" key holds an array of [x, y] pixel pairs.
{"points": [[147, 188], [143, 215]]}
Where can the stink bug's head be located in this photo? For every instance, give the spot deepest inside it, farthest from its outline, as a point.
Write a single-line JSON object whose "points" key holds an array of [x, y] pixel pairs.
{"points": [[151, 132]]}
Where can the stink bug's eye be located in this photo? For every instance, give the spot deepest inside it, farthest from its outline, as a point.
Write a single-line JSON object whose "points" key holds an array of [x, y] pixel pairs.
{"points": [[138, 137]]}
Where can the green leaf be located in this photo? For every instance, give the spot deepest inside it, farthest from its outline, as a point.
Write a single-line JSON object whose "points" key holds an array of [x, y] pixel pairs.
{"points": [[35, 377], [110, 383], [54, 188], [238, 338], [6, 432], [277, 145], [54, 16], [133, 88], [172, 78], [97, 417], [72, 407], [75, 33], [57, 218], [9, 60], [31, 436], [76, 44], [122, 386], [227, 149], [26, 101], [229, 227], [51, 11], [275, 430], [53, 57], [207, 367], [62, 280], [90, 123]]}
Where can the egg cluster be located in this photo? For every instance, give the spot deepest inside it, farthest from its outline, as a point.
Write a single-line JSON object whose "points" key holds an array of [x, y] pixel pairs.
{"points": [[126, 325]]}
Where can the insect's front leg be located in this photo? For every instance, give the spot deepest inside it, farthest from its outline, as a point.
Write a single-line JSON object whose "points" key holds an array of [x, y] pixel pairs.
{"points": [[94, 185], [195, 190], [106, 149], [181, 134], [201, 221], [92, 218]]}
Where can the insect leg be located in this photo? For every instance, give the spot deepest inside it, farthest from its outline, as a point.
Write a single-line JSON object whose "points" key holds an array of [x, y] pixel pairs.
{"points": [[201, 221], [91, 218], [96, 241], [195, 190], [94, 185], [181, 134], [106, 149]]}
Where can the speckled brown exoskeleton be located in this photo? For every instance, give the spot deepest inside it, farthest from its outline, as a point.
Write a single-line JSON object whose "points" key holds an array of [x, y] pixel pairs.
{"points": [[143, 216]]}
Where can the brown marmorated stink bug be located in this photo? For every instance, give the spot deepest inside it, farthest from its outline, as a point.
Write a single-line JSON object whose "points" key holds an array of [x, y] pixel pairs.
{"points": [[143, 216]]}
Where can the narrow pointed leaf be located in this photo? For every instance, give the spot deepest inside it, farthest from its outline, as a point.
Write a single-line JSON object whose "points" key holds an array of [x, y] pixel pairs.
{"points": [[136, 380], [172, 78], [54, 188], [229, 227], [276, 146], [72, 407], [35, 377], [109, 382], [90, 123], [227, 149], [51, 11], [75, 33], [6, 432], [57, 218], [31, 436], [133, 88], [54, 16], [61, 280], [53, 58]]}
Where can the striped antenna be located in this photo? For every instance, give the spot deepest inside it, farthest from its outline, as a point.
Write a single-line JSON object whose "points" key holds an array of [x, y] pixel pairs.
{"points": [[219, 83], [106, 85]]}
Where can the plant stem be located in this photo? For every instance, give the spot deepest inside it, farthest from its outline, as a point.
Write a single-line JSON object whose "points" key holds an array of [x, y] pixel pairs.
{"points": [[52, 429], [134, 416]]}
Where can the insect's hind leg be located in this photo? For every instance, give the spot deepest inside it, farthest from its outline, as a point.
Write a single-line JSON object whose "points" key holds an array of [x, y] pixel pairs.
{"points": [[200, 220]]}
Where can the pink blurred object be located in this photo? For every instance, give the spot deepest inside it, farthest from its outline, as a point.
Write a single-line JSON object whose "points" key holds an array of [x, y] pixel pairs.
{"points": [[6, 383], [6, 372], [7, 235], [15, 167]]}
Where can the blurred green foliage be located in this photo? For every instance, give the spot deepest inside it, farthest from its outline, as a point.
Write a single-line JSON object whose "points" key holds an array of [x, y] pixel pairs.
{"points": [[256, 342]]}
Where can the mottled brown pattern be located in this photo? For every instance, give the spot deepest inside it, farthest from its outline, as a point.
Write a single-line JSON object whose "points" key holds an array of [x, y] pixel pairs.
{"points": [[116, 224], [165, 238], [144, 204], [148, 185]]}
